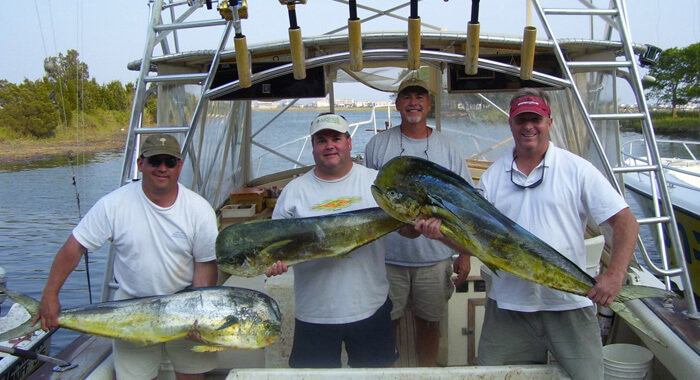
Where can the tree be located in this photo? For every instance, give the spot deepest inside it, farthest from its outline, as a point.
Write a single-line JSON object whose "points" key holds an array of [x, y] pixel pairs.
{"points": [[71, 83], [28, 108], [677, 76]]}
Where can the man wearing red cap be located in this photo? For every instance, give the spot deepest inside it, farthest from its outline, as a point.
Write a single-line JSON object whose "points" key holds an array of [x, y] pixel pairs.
{"points": [[551, 193]]}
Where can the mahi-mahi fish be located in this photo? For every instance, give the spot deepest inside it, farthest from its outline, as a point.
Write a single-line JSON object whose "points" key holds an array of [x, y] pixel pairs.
{"points": [[224, 317], [249, 248], [411, 189]]}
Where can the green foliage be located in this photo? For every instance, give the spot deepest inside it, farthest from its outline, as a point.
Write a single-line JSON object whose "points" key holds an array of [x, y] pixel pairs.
{"points": [[677, 76], [40, 107], [27, 108], [685, 125]]}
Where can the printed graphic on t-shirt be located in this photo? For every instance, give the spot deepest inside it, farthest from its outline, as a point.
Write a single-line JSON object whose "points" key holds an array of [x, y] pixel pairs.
{"points": [[336, 204]]}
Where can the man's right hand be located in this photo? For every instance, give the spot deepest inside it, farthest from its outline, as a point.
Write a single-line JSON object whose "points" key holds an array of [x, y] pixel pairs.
{"points": [[48, 313], [276, 269]]}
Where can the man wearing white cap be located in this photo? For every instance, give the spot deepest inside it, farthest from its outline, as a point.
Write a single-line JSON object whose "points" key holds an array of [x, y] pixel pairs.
{"points": [[551, 193], [337, 300], [419, 269]]}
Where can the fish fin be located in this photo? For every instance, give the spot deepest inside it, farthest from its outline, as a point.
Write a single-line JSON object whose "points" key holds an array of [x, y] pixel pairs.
{"points": [[203, 348], [230, 321], [21, 330], [276, 246], [621, 310], [445, 210], [29, 303]]}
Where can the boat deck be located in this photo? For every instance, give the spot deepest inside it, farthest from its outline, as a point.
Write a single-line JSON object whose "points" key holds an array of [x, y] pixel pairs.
{"points": [[672, 313], [88, 352]]}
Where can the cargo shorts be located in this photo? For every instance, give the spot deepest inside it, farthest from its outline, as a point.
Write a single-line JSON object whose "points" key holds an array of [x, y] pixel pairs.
{"points": [[425, 289]]}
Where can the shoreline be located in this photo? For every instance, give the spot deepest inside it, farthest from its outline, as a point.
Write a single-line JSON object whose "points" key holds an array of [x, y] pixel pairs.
{"points": [[24, 150]]}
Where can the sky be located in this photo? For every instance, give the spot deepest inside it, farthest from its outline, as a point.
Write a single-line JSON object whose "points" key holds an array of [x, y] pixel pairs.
{"points": [[109, 34]]}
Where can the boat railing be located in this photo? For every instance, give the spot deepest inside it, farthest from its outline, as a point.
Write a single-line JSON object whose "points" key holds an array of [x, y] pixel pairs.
{"points": [[297, 162]]}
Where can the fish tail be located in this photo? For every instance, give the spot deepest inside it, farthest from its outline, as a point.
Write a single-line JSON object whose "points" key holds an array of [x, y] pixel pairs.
{"points": [[29, 303], [20, 331], [630, 292], [32, 307]]}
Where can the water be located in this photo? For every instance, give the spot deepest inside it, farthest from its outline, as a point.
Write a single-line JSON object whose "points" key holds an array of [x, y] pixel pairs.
{"points": [[39, 208]]}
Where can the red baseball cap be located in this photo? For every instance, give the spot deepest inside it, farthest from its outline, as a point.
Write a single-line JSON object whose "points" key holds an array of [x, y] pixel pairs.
{"points": [[530, 104]]}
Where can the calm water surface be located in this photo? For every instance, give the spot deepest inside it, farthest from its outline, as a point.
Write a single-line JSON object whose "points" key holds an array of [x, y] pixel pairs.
{"points": [[39, 208]]}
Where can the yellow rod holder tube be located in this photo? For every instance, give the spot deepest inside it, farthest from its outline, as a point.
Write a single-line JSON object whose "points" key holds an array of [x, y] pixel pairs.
{"points": [[471, 54], [355, 36], [414, 43], [242, 61], [527, 52], [298, 56]]}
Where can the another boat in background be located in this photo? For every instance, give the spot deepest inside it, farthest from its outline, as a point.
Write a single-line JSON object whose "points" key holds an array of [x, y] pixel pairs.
{"points": [[682, 171]]}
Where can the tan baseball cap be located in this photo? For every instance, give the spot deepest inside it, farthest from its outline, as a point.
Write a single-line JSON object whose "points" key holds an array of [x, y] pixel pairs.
{"points": [[413, 82]]}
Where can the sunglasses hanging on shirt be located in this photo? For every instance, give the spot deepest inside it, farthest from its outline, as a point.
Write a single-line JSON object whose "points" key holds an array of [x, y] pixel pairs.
{"points": [[532, 185]]}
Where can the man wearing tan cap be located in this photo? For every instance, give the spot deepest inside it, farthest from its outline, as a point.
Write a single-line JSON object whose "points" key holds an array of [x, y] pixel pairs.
{"points": [[419, 269], [338, 301], [163, 235]]}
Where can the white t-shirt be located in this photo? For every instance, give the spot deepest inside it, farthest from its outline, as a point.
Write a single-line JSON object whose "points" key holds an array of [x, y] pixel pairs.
{"points": [[437, 148], [556, 211], [336, 290], [155, 248]]}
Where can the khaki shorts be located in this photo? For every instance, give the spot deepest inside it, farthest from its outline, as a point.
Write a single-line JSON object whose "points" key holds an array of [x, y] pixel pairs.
{"points": [[572, 336], [426, 289], [133, 361]]}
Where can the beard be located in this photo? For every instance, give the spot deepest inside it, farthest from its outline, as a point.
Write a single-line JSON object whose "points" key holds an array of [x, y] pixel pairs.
{"points": [[414, 119]]}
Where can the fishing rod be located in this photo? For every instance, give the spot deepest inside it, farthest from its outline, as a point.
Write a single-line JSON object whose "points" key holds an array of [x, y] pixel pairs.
{"points": [[61, 365], [80, 216]]}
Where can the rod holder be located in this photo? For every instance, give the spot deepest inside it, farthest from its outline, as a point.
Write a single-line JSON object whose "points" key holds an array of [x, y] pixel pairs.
{"points": [[471, 55], [355, 36], [298, 56], [527, 52], [414, 43], [242, 61]]}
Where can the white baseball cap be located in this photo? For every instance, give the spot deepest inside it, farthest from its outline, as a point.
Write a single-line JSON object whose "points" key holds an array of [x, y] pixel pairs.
{"points": [[329, 121]]}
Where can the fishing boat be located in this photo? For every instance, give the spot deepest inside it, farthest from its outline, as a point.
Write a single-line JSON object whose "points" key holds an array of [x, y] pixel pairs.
{"points": [[206, 97], [682, 170]]}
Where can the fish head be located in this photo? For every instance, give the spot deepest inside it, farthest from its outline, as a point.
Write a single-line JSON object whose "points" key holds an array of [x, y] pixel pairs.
{"points": [[239, 263], [246, 319], [396, 191]]}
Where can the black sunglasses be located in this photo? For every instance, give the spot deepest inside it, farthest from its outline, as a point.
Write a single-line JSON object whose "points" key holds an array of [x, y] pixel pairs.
{"points": [[530, 186], [170, 162]]}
